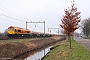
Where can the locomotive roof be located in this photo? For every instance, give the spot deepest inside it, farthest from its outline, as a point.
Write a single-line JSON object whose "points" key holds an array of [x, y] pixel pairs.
{"points": [[17, 27]]}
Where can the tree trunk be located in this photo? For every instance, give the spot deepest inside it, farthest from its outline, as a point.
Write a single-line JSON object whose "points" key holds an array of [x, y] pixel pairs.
{"points": [[69, 39]]}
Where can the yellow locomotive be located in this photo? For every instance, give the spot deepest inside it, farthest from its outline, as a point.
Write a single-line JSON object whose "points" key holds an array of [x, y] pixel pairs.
{"points": [[21, 32], [17, 31]]}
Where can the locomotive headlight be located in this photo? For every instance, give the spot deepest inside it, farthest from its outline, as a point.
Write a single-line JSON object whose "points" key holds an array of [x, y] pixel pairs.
{"points": [[22, 35]]}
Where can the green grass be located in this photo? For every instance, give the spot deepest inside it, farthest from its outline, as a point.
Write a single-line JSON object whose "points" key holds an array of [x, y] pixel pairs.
{"points": [[63, 52]]}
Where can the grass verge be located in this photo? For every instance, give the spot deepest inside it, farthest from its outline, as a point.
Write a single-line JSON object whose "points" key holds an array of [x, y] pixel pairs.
{"points": [[63, 52]]}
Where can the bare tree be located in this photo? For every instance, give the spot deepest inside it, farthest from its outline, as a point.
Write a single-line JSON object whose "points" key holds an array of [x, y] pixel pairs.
{"points": [[3, 35], [86, 27]]}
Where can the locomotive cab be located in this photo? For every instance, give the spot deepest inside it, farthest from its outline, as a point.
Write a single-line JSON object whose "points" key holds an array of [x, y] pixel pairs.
{"points": [[11, 30]]}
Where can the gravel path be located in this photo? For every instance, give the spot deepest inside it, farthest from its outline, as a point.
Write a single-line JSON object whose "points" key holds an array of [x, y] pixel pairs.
{"points": [[83, 42]]}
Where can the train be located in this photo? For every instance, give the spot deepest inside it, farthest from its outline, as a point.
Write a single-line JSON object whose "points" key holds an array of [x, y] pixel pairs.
{"points": [[18, 32]]}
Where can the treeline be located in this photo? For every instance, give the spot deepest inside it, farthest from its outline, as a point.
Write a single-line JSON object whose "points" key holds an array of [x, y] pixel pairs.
{"points": [[3, 35], [86, 27]]}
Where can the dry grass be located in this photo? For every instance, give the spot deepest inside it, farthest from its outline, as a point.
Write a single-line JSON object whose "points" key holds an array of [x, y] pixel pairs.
{"points": [[12, 48]]}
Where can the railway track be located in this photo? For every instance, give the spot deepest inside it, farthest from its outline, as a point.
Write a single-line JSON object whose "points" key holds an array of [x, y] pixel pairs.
{"points": [[23, 38], [20, 38]]}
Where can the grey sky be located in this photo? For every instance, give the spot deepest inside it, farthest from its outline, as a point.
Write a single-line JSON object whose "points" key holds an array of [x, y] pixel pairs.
{"points": [[17, 12]]}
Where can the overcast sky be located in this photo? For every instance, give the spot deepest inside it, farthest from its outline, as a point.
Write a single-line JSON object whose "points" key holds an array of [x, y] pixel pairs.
{"points": [[17, 12]]}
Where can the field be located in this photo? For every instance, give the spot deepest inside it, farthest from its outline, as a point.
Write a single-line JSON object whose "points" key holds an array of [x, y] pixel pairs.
{"points": [[17, 47], [63, 52]]}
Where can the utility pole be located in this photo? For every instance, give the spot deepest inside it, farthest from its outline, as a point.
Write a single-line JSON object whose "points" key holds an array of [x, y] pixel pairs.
{"points": [[26, 24], [53, 28], [43, 28], [89, 30]]}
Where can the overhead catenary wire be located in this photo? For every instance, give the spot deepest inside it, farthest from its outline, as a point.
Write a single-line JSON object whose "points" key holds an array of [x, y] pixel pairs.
{"points": [[15, 13], [10, 13], [4, 10], [12, 17], [10, 20]]}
